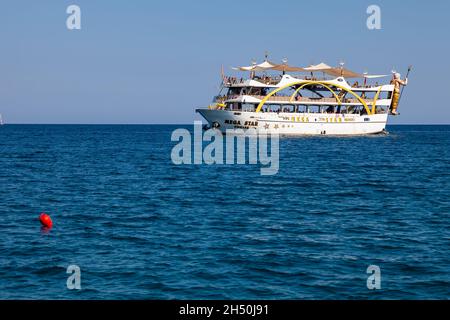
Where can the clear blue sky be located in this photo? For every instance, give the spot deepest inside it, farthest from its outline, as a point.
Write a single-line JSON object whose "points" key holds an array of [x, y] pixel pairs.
{"points": [[156, 61]]}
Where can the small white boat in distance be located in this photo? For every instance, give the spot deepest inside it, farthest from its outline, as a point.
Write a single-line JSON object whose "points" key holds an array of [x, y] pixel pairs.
{"points": [[302, 105]]}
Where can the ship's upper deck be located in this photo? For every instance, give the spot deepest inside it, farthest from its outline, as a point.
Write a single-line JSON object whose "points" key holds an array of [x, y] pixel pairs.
{"points": [[266, 85], [260, 76], [279, 81]]}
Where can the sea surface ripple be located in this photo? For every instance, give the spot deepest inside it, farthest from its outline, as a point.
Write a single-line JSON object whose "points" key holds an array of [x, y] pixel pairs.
{"points": [[141, 227]]}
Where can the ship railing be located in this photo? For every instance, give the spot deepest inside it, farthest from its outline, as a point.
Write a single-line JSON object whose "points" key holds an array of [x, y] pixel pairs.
{"points": [[274, 80], [268, 80], [232, 80], [220, 98], [287, 98], [265, 80]]}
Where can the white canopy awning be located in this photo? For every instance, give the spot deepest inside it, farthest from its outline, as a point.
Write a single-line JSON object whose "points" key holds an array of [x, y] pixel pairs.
{"points": [[321, 67], [266, 65], [318, 67], [373, 76]]}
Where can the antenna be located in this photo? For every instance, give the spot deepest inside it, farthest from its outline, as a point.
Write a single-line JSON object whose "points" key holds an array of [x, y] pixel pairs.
{"points": [[365, 73], [285, 61], [252, 72], [342, 63]]}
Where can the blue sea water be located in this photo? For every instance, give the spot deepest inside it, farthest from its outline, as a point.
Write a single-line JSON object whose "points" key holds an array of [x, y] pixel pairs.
{"points": [[140, 227]]}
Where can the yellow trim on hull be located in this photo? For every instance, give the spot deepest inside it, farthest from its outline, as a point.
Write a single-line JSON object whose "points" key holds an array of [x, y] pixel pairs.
{"points": [[374, 103], [308, 83], [323, 83]]}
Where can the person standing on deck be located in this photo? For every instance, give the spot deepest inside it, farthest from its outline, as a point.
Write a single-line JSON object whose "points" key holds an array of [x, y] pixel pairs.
{"points": [[397, 82]]}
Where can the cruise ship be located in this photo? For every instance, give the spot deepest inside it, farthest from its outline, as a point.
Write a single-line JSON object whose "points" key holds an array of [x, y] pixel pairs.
{"points": [[313, 100]]}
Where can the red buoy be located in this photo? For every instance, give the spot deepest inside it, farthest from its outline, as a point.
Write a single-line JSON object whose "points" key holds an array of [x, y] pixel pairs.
{"points": [[45, 220]]}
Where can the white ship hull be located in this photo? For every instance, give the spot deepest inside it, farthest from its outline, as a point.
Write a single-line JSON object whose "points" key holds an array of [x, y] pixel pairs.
{"points": [[296, 123]]}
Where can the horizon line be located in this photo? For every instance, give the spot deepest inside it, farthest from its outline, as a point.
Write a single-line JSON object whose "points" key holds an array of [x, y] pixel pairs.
{"points": [[185, 124]]}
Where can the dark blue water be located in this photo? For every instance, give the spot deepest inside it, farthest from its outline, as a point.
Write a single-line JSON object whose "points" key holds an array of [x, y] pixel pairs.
{"points": [[140, 227]]}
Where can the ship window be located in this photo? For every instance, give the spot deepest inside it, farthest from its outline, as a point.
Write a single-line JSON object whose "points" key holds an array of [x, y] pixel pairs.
{"points": [[234, 106], [248, 107], [302, 109], [234, 91], [288, 108], [314, 109], [254, 91], [274, 108], [384, 95]]}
